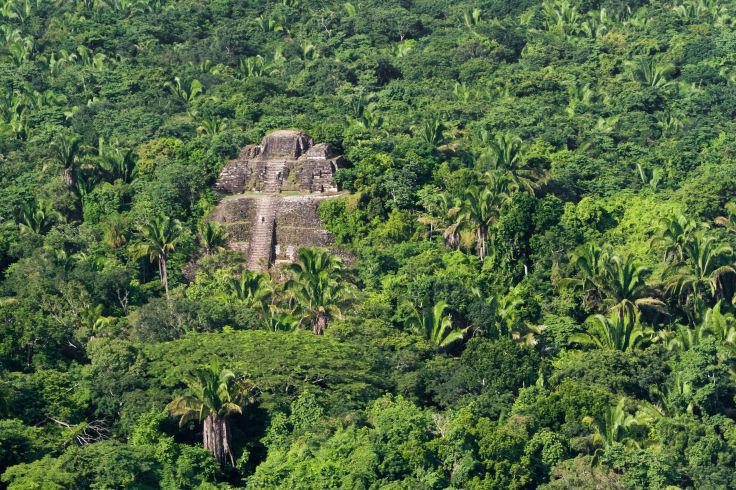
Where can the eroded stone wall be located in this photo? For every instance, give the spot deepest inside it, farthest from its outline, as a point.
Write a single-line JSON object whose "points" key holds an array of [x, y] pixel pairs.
{"points": [[297, 223], [304, 166]]}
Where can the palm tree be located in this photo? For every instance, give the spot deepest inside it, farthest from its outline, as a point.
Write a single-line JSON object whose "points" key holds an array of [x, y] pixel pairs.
{"points": [[436, 207], [704, 270], [350, 9], [114, 230], [36, 218], [623, 333], [214, 395], [64, 261], [316, 287], [432, 131], [117, 164], [478, 210], [507, 156], [280, 321], [65, 151], [673, 395], [85, 184], [507, 322], [682, 337], [308, 51], [728, 221], [690, 10], [674, 234], [507, 318], [624, 286], [716, 324], [591, 261], [212, 126], [368, 118], [611, 427], [650, 72], [616, 426], [720, 325], [211, 236], [472, 18], [185, 90], [580, 95], [612, 280], [434, 325], [649, 178], [270, 25], [251, 67], [402, 48], [92, 320], [669, 123], [597, 25], [159, 237], [462, 92], [252, 288], [561, 15]]}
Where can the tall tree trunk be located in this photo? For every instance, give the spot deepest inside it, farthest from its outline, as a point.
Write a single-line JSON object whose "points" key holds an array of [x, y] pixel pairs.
{"points": [[216, 438], [482, 240], [163, 273], [320, 323], [69, 176]]}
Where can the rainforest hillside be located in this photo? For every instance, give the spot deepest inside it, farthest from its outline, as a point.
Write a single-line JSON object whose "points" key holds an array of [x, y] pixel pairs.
{"points": [[538, 210]]}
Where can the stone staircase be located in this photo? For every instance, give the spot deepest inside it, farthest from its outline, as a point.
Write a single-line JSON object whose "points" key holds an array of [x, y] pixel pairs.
{"points": [[275, 175], [262, 233], [260, 243]]}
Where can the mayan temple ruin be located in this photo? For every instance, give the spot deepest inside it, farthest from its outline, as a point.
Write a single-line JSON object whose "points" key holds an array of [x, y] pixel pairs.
{"points": [[274, 189]]}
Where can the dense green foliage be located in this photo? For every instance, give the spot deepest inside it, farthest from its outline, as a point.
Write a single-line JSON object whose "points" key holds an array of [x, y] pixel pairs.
{"points": [[540, 204]]}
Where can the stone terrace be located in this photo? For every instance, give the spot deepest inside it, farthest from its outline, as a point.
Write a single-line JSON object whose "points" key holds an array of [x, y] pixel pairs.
{"points": [[261, 222]]}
